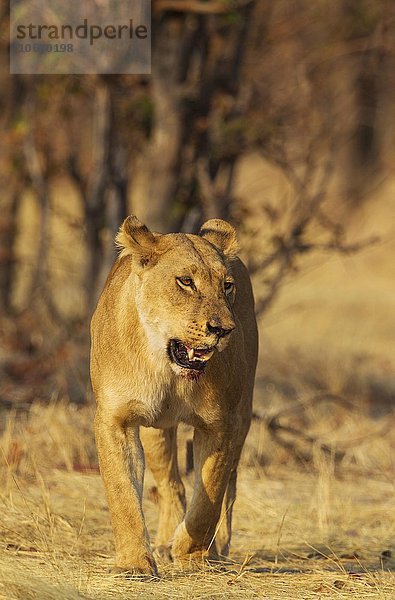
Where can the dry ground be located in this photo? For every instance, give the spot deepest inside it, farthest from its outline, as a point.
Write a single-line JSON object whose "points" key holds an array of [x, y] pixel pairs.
{"points": [[315, 514], [325, 530]]}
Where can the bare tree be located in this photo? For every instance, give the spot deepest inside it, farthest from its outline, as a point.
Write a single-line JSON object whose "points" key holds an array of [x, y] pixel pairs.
{"points": [[197, 53], [229, 78]]}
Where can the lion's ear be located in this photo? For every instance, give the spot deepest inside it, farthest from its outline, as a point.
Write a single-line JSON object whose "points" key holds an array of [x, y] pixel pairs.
{"points": [[134, 238], [222, 235]]}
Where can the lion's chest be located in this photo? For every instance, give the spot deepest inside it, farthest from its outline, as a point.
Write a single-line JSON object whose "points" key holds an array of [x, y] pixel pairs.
{"points": [[171, 410], [176, 403], [169, 415]]}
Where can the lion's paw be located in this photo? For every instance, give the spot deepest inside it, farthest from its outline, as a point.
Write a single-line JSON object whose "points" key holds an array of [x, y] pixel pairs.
{"points": [[143, 568], [182, 542], [163, 553], [187, 553]]}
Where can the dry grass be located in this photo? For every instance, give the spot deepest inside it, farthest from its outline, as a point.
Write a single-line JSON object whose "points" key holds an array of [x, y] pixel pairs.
{"points": [[315, 516], [317, 532]]}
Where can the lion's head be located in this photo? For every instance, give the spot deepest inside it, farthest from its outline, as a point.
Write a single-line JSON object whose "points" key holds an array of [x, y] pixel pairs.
{"points": [[185, 290]]}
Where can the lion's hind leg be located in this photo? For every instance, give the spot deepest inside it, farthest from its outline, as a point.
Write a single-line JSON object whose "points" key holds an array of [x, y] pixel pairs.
{"points": [[224, 529], [160, 447]]}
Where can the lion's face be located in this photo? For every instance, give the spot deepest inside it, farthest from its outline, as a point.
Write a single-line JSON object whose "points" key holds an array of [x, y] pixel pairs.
{"points": [[185, 296], [185, 301]]}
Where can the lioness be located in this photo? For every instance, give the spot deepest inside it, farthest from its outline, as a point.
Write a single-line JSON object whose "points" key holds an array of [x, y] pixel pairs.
{"points": [[174, 338]]}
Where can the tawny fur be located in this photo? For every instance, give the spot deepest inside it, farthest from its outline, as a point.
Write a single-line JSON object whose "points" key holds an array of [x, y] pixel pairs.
{"points": [[142, 395]]}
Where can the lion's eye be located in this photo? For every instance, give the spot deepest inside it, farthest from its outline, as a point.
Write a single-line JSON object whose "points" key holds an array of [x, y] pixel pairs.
{"points": [[228, 286], [185, 281]]}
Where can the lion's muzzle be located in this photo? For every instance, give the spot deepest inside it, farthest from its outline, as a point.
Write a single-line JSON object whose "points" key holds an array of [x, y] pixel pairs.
{"points": [[185, 356], [217, 328]]}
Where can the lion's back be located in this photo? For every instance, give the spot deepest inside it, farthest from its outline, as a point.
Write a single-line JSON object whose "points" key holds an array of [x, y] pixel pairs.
{"points": [[244, 308]]}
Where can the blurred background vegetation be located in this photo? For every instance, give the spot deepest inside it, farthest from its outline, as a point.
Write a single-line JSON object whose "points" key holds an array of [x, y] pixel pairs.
{"points": [[278, 116]]}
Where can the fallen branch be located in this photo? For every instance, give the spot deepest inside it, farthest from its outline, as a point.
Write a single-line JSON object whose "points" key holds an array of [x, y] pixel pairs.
{"points": [[276, 429]]}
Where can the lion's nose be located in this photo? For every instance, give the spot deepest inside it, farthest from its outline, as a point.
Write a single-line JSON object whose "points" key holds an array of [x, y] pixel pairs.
{"points": [[219, 329]]}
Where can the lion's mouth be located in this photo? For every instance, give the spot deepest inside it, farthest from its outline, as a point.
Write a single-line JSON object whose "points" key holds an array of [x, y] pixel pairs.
{"points": [[189, 358]]}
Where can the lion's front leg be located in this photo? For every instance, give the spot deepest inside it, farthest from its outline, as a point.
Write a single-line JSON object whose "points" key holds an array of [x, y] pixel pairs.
{"points": [[194, 537], [121, 462]]}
